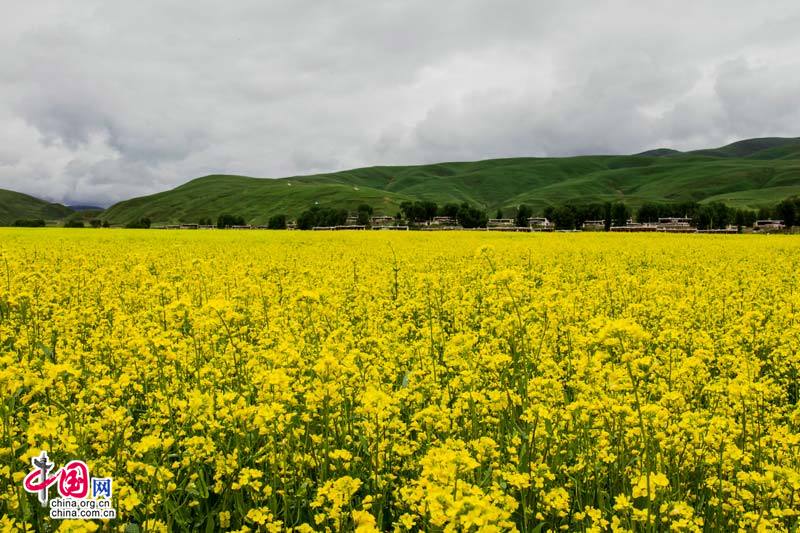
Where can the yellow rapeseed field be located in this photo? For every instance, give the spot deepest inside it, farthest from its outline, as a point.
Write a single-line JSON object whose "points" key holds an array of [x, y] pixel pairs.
{"points": [[464, 381]]}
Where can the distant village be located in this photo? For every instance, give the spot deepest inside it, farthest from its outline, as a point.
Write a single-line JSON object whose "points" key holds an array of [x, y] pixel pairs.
{"points": [[535, 224]]}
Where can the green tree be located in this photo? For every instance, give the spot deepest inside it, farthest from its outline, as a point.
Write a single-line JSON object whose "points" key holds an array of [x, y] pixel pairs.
{"points": [[449, 210], [428, 210], [573, 215], [649, 212], [607, 208], [789, 211], [416, 212], [321, 216], [227, 220], [142, 223], [471, 217], [308, 218], [714, 215], [409, 210], [620, 214], [744, 218], [277, 222], [563, 217], [584, 212], [524, 212], [682, 209], [29, 223], [364, 213]]}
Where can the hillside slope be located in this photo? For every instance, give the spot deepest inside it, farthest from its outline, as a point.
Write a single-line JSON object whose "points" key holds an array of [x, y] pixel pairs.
{"points": [[749, 173], [15, 206]]}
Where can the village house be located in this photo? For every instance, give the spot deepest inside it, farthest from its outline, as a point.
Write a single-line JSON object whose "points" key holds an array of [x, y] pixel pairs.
{"points": [[500, 223], [338, 228], [381, 220], [768, 225], [729, 229], [676, 225], [675, 221], [593, 225], [540, 224], [631, 226]]}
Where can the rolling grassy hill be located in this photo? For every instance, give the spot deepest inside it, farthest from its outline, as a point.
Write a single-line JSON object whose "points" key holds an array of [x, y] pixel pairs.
{"points": [[750, 173], [15, 205]]}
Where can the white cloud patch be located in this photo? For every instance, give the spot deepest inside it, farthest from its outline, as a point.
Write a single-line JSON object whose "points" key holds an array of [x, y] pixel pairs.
{"points": [[100, 101]]}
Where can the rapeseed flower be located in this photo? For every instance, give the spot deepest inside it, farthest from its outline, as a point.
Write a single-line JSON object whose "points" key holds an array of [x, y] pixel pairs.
{"points": [[465, 381]]}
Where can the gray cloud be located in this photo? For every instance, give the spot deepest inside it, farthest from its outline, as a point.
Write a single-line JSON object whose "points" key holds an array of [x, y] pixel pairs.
{"points": [[100, 101]]}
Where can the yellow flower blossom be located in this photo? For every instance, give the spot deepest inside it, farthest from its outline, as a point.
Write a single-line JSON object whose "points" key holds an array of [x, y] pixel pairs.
{"points": [[410, 381]]}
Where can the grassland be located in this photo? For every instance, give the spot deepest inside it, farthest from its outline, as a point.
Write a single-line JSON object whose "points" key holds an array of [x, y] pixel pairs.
{"points": [[750, 174], [15, 205]]}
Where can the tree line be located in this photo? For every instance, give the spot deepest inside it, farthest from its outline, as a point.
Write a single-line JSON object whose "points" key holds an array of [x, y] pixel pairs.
{"points": [[713, 215], [570, 215], [465, 214]]}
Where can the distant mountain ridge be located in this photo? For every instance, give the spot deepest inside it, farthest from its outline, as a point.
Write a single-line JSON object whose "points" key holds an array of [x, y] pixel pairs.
{"points": [[761, 148], [749, 173]]}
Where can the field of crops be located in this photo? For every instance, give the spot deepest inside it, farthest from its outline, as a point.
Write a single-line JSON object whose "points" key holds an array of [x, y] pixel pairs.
{"points": [[448, 382]]}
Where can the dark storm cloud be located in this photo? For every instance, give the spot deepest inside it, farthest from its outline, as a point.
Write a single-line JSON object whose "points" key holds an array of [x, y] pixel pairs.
{"points": [[100, 100]]}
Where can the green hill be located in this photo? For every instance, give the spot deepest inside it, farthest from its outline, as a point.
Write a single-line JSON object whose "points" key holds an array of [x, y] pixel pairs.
{"points": [[660, 152], [15, 206], [751, 173], [764, 148]]}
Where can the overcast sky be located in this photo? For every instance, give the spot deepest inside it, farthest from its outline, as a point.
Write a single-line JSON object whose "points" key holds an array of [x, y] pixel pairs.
{"points": [[104, 100]]}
